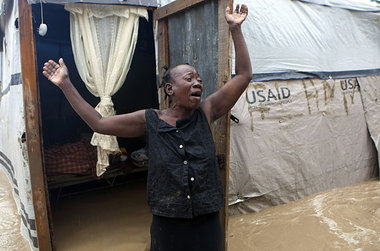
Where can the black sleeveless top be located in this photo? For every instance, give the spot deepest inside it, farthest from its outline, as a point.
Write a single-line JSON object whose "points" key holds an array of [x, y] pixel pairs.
{"points": [[183, 176]]}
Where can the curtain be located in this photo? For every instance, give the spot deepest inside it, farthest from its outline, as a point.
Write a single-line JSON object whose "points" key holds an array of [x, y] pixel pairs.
{"points": [[104, 38]]}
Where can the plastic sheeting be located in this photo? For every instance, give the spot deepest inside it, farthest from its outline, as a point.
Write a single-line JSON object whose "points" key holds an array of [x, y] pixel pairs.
{"points": [[288, 36], [13, 152], [358, 5], [370, 91], [296, 138]]}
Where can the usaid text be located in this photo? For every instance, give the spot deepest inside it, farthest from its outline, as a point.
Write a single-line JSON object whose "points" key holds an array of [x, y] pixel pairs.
{"points": [[267, 95]]}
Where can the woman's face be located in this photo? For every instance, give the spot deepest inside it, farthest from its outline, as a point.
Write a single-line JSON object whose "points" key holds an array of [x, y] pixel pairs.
{"points": [[187, 86]]}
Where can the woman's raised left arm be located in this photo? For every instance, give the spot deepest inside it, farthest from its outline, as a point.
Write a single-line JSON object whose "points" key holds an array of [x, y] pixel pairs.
{"points": [[220, 102]]}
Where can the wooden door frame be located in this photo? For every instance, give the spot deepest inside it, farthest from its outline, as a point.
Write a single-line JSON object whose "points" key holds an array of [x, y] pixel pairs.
{"points": [[222, 126], [33, 125]]}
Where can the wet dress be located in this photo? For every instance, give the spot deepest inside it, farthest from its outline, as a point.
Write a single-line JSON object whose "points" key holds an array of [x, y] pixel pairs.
{"points": [[184, 189]]}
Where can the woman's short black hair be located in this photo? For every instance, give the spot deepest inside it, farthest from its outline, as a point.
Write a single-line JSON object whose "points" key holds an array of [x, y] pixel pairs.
{"points": [[165, 79], [167, 75]]}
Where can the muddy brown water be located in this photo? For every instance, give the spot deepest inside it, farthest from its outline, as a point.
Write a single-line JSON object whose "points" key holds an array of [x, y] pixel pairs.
{"points": [[119, 219], [341, 219], [10, 235], [116, 218]]}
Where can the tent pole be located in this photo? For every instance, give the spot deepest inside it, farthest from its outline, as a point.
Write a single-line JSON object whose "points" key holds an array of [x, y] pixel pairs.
{"points": [[222, 125]]}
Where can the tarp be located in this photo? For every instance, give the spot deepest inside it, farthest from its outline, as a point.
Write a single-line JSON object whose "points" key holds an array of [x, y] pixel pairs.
{"points": [[294, 36], [299, 137], [357, 5], [370, 91], [13, 151], [296, 138]]}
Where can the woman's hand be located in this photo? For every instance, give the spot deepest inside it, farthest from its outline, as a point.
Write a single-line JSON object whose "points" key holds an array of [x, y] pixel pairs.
{"points": [[237, 17], [56, 73]]}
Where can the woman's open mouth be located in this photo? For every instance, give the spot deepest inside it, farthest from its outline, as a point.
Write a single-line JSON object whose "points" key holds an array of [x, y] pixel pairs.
{"points": [[196, 95]]}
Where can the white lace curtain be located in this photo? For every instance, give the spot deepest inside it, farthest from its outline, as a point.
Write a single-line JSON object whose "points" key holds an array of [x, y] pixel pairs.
{"points": [[104, 38]]}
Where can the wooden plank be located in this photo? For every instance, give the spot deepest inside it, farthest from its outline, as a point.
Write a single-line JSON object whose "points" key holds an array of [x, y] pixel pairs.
{"points": [[32, 124], [199, 49], [163, 57], [174, 7], [222, 125]]}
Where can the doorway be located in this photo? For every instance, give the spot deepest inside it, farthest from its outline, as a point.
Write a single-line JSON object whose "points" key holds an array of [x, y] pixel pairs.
{"points": [[86, 211]]}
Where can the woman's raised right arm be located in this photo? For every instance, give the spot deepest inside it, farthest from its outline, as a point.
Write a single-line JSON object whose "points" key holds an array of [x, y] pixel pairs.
{"points": [[125, 125]]}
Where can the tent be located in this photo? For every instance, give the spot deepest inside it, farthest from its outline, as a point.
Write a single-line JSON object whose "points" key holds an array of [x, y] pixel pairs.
{"points": [[308, 122]]}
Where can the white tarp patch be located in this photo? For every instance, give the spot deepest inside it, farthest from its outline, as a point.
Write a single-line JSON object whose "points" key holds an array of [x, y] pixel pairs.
{"points": [[284, 36], [357, 5], [296, 138]]}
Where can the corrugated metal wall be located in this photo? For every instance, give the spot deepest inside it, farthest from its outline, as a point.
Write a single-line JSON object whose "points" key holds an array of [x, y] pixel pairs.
{"points": [[193, 39]]}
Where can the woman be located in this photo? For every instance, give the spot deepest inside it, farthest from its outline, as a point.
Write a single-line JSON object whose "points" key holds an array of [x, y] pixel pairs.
{"points": [[184, 188]]}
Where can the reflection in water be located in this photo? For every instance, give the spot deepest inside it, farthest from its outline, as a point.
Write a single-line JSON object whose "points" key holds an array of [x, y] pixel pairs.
{"points": [[341, 219], [10, 236]]}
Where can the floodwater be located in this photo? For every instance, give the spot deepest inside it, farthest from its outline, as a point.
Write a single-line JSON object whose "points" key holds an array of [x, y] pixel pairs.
{"points": [[341, 219], [10, 236], [116, 218]]}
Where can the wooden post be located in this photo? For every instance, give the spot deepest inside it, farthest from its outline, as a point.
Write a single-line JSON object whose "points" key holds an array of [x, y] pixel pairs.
{"points": [[163, 56], [33, 124], [222, 125]]}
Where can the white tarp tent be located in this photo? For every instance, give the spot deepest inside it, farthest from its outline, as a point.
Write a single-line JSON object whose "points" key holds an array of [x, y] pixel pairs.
{"points": [[288, 36], [303, 128], [307, 136], [13, 152], [304, 119]]}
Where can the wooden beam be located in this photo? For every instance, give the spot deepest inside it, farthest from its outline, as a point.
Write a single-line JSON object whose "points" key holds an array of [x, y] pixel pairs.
{"points": [[32, 124], [163, 56], [174, 7], [222, 125]]}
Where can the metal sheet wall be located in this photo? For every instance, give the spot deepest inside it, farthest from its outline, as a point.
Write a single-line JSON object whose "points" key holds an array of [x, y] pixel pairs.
{"points": [[193, 39]]}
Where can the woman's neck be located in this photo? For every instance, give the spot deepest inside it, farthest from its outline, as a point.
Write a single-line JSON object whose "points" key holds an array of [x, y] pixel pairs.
{"points": [[172, 114], [179, 112]]}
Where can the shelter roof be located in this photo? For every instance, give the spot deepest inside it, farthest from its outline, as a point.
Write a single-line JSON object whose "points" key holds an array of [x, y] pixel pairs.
{"points": [[146, 3]]}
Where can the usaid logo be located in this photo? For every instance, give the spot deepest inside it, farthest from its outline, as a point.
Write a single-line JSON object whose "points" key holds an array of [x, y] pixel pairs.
{"points": [[268, 96], [349, 85]]}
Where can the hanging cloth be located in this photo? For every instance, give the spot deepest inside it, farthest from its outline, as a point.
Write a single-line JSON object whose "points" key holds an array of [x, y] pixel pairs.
{"points": [[103, 39]]}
